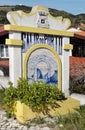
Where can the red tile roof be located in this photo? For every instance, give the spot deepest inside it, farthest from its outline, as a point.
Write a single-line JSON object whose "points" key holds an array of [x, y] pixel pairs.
{"points": [[4, 63], [80, 34], [2, 31]]}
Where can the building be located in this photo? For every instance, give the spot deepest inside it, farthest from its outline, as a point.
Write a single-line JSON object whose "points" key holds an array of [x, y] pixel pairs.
{"points": [[77, 60], [4, 58], [78, 42]]}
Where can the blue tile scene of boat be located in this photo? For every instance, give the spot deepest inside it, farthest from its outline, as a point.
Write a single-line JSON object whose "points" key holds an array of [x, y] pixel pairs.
{"points": [[42, 66]]}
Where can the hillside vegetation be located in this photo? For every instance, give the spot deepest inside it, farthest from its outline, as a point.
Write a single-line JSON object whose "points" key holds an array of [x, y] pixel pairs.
{"points": [[75, 19]]}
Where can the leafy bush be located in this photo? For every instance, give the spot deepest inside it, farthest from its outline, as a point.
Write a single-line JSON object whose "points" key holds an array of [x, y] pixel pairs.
{"points": [[76, 86], [37, 95]]}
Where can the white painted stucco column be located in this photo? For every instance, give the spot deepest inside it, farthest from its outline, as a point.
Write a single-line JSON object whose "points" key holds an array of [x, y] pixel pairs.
{"points": [[58, 45], [14, 58], [65, 66], [32, 42], [55, 43]]}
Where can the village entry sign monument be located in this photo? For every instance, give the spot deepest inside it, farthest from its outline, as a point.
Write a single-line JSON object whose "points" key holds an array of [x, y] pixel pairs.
{"points": [[39, 47]]}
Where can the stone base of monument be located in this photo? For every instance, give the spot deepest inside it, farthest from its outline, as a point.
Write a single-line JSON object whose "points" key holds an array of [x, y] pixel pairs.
{"points": [[24, 113]]}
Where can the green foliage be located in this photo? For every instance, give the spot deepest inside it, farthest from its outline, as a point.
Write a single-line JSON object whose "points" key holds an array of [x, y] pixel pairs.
{"points": [[75, 121], [9, 99], [76, 87], [23, 8], [36, 95], [3, 19]]}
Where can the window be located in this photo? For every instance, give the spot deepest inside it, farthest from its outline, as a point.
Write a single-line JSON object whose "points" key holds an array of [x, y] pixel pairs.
{"points": [[4, 51]]}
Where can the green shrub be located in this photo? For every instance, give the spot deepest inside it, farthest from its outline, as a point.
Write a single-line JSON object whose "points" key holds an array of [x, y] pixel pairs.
{"points": [[76, 86], [36, 95]]}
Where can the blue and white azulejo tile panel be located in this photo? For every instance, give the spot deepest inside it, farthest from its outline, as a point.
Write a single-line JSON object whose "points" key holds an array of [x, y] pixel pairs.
{"points": [[42, 66]]}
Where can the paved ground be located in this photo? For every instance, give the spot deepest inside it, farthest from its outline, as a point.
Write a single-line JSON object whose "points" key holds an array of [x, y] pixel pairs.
{"points": [[79, 97]]}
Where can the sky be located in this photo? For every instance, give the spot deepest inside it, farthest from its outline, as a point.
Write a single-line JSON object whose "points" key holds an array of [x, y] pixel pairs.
{"points": [[71, 6]]}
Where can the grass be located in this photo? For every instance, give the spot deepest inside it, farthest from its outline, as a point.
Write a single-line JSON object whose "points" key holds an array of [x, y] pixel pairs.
{"points": [[72, 121]]}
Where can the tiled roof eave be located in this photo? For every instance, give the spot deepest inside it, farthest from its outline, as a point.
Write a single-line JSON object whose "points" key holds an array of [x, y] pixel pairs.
{"points": [[80, 35], [4, 63]]}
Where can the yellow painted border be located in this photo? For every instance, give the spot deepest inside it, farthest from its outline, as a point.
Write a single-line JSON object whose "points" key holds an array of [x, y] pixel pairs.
{"points": [[14, 42], [68, 47], [24, 113], [20, 15], [35, 47], [63, 20], [38, 30], [35, 8]]}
